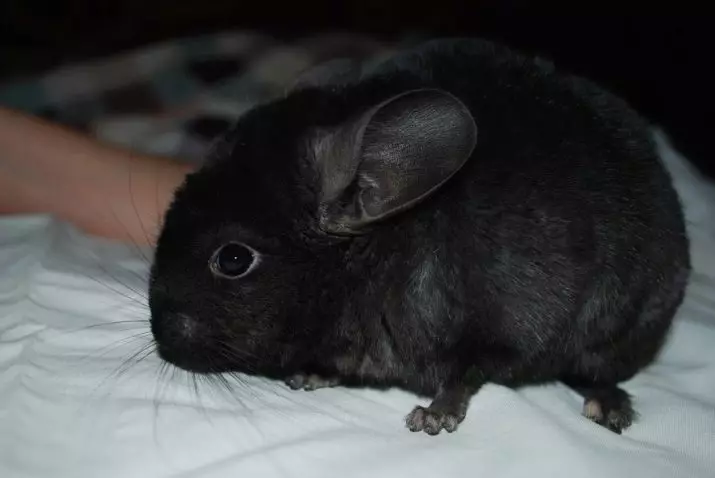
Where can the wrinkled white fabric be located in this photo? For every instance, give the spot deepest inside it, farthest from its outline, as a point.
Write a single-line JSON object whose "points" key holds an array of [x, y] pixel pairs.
{"points": [[69, 409]]}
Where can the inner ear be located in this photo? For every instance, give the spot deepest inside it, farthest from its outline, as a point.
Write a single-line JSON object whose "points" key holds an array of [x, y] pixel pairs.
{"points": [[392, 157]]}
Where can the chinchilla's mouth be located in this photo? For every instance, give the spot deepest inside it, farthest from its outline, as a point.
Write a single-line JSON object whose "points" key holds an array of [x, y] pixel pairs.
{"points": [[189, 359]]}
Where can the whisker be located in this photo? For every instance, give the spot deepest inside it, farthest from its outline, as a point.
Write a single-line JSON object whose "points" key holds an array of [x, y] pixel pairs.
{"points": [[160, 389], [102, 324], [230, 354], [195, 378], [140, 278], [115, 374], [109, 348], [136, 211], [159, 215], [135, 359], [137, 248], [225, 385], [138, 254], [143, 294], [141, 314], [165, 376], [112, 289]]}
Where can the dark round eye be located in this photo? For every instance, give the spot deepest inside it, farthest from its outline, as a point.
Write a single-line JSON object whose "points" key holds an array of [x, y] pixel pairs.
{"points": [[232, 260]]}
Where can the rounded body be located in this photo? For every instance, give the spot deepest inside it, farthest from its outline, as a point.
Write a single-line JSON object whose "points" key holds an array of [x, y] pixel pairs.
{"points": [[556, 250]]}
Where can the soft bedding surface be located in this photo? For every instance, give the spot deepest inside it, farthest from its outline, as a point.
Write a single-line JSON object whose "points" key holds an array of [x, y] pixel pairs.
{"points": [[82, 394]]}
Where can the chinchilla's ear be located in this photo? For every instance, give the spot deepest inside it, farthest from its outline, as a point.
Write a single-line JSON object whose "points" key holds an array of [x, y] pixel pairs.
{"points": [[391, 157], [339, 71]]}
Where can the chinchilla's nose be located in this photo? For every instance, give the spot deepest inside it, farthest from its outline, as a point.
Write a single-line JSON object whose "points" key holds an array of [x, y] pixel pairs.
{"points": [[175, 328]]}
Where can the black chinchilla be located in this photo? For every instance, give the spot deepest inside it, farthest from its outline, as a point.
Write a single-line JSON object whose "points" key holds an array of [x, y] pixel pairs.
{"points": [[459, 214]]}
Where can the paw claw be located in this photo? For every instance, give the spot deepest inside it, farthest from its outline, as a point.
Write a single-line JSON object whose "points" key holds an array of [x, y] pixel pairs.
{"points": [[296, 381], [615, 415], [310, 383], [432, 421]]}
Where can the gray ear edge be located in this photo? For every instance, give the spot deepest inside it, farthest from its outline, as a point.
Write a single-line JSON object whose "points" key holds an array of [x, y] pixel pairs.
{"points": [[466, 113], [351, 220], [339, 71]]}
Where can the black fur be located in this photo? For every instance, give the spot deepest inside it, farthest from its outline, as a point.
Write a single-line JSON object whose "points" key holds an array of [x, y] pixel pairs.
{"points": [[557, 252]]}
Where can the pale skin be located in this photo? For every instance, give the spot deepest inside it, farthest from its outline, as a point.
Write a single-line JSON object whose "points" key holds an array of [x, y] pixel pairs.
{"points": [[102, 190]]}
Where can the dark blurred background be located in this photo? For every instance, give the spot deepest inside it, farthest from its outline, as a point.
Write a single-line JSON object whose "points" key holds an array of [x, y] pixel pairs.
{"points": [[658, 57]]}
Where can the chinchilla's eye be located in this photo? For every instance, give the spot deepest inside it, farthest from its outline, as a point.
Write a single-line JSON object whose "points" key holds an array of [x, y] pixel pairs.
{"points": [[233, 260]]}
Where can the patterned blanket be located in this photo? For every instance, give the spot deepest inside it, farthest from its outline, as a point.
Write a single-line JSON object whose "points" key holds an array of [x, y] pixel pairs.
{"points": [[173, 98]]}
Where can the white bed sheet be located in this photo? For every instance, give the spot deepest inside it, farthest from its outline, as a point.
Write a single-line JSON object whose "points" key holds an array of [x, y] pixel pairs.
{"points": [[63, 413]]}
